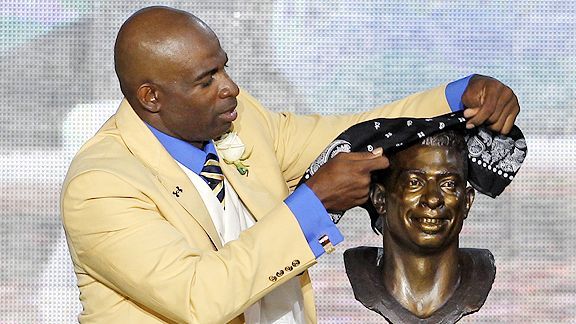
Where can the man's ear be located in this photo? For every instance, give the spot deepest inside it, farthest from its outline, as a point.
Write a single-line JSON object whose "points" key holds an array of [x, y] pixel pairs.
{"points": [[148, 96], [470, 195], [378, 198]]}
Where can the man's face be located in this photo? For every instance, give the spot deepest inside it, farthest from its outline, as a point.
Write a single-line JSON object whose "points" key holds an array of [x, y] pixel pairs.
{"points": [[426, 198], [198, 97]]}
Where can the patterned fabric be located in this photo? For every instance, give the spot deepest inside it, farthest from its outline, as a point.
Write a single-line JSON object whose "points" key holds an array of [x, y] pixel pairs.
{"points": [[493, 159], [212, 174]]}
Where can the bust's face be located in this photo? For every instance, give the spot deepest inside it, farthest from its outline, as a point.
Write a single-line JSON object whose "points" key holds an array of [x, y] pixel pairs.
{"points": [[426, 198]]}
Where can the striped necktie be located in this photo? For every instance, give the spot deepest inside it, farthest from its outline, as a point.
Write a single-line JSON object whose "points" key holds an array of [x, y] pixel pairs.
{"points": [[212, 174]]}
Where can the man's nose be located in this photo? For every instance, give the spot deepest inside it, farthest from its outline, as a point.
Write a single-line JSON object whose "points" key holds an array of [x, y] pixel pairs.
{"points": [[228, 88]]}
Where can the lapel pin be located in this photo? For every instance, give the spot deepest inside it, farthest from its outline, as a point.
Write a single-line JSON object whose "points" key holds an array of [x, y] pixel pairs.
{"points": [[177, 192]]}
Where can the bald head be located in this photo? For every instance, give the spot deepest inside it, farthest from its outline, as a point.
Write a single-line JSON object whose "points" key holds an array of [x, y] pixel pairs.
{"points": [[172, 71], [151, 44]]}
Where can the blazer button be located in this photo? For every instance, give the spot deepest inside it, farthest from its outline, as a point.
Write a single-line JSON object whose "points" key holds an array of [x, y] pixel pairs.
{"points": [[272, 278], [280, 273], [295, 263], [288, 268]]}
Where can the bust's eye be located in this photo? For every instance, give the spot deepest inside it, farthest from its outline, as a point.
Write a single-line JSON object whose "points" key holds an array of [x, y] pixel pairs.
{"points": [[449, 184], [414, 183]]}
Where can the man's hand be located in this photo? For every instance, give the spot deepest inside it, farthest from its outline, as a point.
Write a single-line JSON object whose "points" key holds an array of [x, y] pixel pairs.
{"points": [[344, 181], [490, 102]]}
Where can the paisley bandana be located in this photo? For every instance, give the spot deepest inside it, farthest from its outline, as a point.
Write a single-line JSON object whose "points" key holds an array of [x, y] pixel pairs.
{"points": [[493, 159]]}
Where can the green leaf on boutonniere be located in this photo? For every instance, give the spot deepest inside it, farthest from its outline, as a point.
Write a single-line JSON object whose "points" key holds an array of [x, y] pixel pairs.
{"points": [[241, 167]]}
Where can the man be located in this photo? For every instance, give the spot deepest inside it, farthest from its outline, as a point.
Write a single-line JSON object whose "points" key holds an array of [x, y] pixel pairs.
{"points": [[420, 203], [157, 234]]}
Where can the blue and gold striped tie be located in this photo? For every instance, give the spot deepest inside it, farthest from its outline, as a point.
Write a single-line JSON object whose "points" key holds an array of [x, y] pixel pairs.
{"points": [[212, 174]]}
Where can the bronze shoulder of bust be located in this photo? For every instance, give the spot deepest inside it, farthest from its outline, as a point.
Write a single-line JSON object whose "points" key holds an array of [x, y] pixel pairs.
{"points": [[364, 268]]}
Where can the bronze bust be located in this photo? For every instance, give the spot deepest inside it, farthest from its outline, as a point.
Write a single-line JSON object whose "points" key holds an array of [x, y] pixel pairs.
{"points": [[419, 205]]}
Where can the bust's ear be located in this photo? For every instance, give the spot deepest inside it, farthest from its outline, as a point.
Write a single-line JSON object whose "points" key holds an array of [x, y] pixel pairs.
{"points": [[378, 198], [149, 97], [470, 195]]}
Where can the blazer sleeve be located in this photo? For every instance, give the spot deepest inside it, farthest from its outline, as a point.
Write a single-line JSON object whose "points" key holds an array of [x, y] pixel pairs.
{"points": [[119, 237], [299, 139]]}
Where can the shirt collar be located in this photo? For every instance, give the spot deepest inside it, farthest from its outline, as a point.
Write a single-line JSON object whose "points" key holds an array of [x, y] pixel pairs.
{"points": [[187, 154]]}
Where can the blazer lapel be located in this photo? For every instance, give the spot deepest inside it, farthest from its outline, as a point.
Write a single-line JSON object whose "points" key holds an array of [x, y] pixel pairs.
{"points": [[188, 197], [253, 193], [144, 145]]}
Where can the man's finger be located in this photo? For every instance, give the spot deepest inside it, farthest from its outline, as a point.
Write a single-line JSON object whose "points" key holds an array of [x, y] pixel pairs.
{"points": [[378, 151], [508, 124], [499, 123], [471, 112], [506, 121], [500, 110], [377, 163], [358, 156], [485, 111]]}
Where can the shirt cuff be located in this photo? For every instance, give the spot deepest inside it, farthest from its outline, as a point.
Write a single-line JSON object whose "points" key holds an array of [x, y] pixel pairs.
{"points": [[454, 91], [314, 221]]}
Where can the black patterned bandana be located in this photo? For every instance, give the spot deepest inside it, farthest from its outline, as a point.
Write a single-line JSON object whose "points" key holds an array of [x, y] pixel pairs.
{"points": [[493, 159]]}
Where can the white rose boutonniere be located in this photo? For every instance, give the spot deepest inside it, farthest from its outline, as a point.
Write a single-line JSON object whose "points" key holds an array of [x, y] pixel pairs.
{"points": [[232, 149]]}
